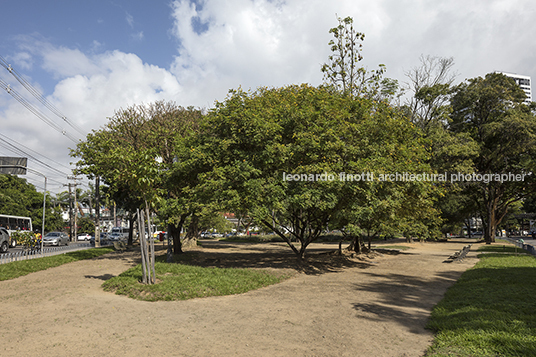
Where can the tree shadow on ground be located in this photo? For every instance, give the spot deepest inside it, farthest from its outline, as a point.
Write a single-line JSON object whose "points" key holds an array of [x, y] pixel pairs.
{"points": [[319, 260], [404, 299], [103, 277], [131, 256]]}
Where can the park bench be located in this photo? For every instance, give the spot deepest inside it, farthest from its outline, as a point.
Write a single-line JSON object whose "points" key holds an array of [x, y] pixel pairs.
{"points": [[120, 246], [459, 255]]}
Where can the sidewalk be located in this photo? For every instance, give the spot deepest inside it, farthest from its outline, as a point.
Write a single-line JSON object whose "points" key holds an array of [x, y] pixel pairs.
{"points": [[378, 309]]}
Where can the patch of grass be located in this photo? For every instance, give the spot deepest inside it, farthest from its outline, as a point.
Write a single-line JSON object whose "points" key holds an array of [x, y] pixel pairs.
{"points": [[506, 248], [490, 311], [24, 267], [182, 282], [400, 247]]}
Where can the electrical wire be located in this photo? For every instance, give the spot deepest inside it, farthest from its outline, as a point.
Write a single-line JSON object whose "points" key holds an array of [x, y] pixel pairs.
{"points": [[4, 142], [35, 111], [33, 91]]}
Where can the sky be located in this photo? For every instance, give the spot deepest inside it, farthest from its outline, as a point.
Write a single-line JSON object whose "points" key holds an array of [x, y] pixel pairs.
{"points": [[89, 59]]}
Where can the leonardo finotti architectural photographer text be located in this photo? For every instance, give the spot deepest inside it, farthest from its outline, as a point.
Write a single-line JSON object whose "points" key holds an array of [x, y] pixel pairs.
{"points": [[405, 177]]}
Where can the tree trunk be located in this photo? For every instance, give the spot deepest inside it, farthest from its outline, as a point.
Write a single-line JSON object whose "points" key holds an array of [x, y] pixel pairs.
{"points": [[357, 245], [190, 240], [174, 234], [491, 225], [130, 229], [301, 255], [491, 219]]}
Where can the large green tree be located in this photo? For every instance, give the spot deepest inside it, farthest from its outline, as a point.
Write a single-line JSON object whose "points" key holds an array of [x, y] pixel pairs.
{"points": [[492, 112], [292, 157], [430, 88], [379, 208], [133, 153]]}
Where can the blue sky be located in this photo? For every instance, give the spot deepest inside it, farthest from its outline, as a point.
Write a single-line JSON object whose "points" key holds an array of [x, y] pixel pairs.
{"points": [[91, 58], [89, 26]]}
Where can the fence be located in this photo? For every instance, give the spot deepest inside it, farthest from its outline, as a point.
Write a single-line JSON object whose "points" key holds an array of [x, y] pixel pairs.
{"points": [[48, 251], [521, 244]]}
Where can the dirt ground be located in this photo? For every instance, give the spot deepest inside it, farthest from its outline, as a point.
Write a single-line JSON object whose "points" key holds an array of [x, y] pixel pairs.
{"points": [[335, 307]]}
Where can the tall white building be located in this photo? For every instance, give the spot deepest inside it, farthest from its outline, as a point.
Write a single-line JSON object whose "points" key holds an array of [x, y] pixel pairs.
{"points": [[523, 82]]}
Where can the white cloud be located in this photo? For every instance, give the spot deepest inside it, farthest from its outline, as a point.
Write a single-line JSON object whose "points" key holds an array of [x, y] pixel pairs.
{"points": [[123, 79], [130, 20], [246, 43], [251, 43], [138, 36], [24, 60], [92, 88]]}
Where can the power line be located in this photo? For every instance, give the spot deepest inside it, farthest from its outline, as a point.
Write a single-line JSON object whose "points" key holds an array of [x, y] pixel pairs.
{"points": [[33, 91], [35, 111], [48, 178], [17, 149]]}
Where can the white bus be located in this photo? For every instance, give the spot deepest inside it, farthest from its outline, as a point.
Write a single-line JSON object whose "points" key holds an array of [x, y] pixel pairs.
{"points": [[15, 223], [120, 232]]}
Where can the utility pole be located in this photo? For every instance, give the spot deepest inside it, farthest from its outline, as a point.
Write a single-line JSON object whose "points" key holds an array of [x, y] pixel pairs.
{"points": [[97, 212], [70, 210], [73, 222]]}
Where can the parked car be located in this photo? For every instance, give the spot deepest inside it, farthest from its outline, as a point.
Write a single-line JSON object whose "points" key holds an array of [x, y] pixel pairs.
{"points": [[85, 236], [4, 240], [56, 238], [115, 237], [103, 239]]}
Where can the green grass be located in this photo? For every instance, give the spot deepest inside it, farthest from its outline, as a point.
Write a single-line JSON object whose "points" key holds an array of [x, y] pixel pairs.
{"points": [[502, 249], [23, 267], [491, 310], [178, 281], [399, 247]]}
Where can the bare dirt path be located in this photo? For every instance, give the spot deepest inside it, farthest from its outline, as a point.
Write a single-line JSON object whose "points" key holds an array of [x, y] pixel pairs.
{"points": [[375, 307]]}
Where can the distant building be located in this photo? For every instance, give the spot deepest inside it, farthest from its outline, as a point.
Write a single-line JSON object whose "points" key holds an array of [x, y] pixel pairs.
{"points": [[523, 82]]}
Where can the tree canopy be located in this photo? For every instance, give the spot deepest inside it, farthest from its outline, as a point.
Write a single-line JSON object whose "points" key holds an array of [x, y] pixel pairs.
{"points": [[134, 150], [299, 159], [294, 156], [491, 111]]}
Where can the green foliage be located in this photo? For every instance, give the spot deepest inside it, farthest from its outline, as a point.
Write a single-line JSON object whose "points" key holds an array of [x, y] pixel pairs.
{"points": [[85, 225], [491, 112], [132, 150], [214, 220], [489, 311], [27, 239], [19, 198], [134, 154], [428, 108], [252, 139], [343, 71], [24, 267], [430, 84], [182, 282]]}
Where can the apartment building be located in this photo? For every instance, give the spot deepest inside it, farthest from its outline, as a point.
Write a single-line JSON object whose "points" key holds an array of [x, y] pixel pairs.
{"points": [[523, 82]]}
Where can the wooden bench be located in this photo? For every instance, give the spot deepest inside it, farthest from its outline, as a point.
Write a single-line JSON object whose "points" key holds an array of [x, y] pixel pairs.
{"points": [[460, 254]]}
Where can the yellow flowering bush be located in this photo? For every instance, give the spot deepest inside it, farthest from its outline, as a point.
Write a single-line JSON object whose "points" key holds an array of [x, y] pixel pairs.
{"points": [[27, 239]]}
